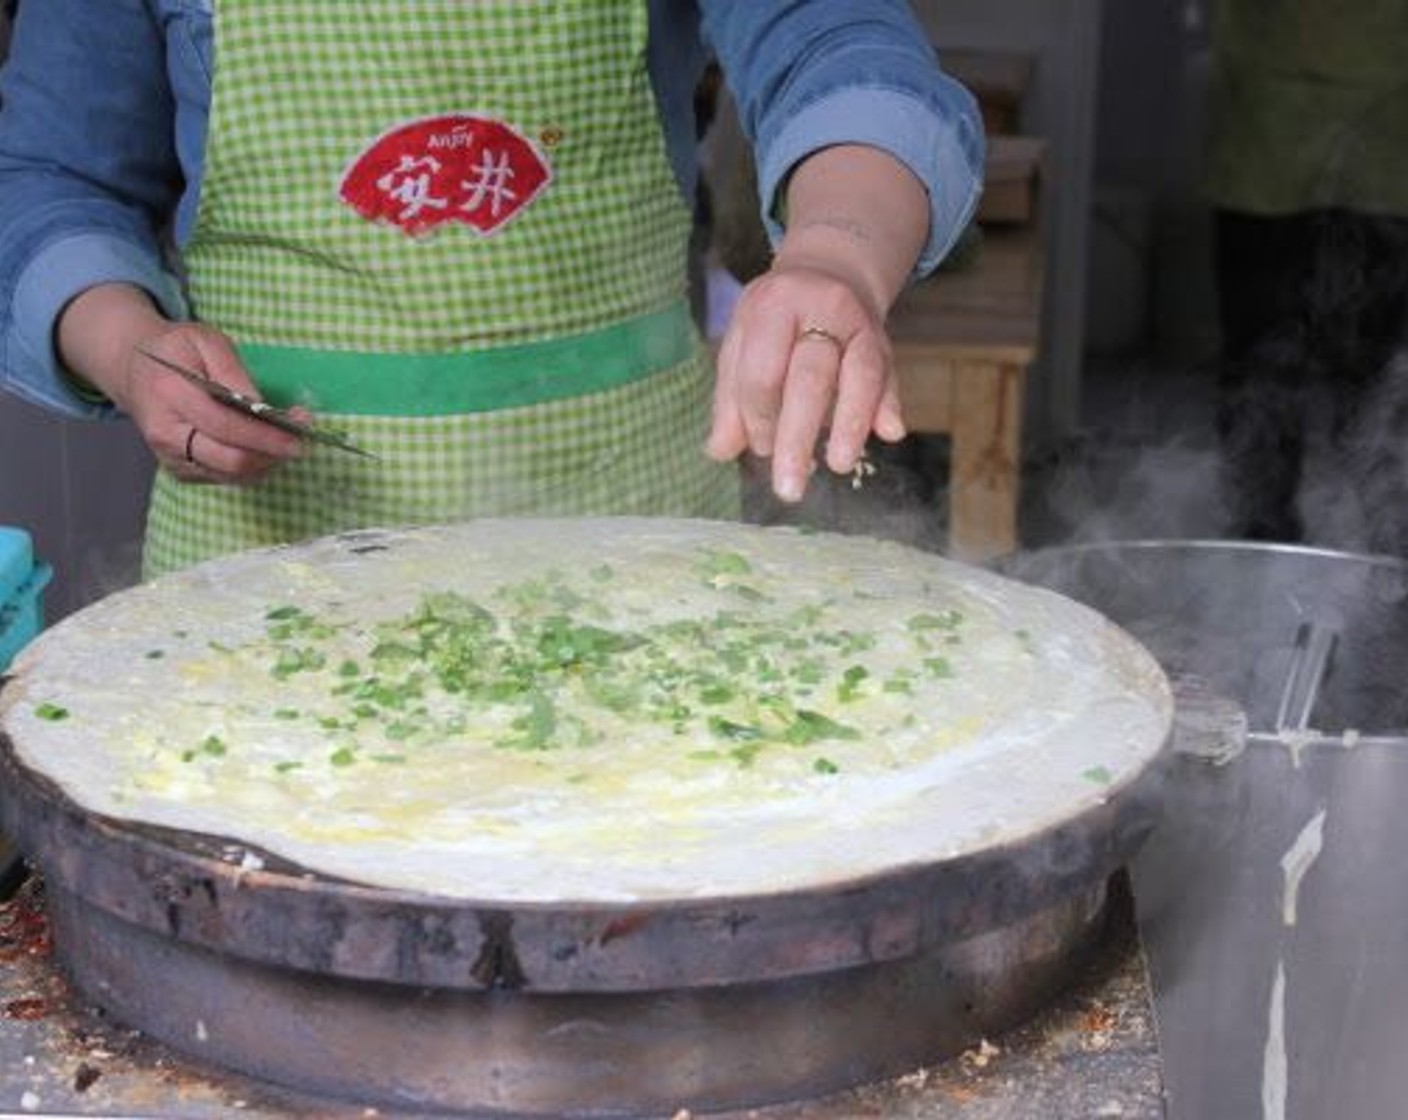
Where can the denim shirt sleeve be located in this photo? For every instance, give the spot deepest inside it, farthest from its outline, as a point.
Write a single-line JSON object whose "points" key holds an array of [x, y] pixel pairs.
{"points": [[102, 113], [806, 76], [88, 178]]}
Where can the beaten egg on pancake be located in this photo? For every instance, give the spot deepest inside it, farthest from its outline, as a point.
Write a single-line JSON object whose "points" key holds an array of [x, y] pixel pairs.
{"points": [[591, 709]]}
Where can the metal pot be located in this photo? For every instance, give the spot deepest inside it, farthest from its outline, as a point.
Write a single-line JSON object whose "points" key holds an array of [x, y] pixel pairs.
{"points": [[1235, 614], [1271, 900]]}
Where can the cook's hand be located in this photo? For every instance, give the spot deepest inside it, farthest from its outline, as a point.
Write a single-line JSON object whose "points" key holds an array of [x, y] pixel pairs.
{"points": [[806, 352], [100, 335], [196, 438]]}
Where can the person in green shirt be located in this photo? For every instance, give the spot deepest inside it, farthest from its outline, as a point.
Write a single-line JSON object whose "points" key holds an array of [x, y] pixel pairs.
{"points": [[1308, 173]]}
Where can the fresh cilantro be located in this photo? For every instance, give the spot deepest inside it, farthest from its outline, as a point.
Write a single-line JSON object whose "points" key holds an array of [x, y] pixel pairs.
{"points": [[945, 620], [745, 753], [735, 732], [851, 680], [939, 667], [534, 727], [811, 727], [720, 563]]}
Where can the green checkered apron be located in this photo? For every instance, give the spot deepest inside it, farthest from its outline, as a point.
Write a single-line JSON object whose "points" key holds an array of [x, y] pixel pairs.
{"points": [[452, 230]]}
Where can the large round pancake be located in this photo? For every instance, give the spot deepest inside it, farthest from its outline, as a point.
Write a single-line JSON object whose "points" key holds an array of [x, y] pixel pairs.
{"points": [[679, 709]]}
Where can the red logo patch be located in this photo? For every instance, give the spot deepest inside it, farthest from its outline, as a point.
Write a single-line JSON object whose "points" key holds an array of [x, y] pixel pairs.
{"points": [[456, 168]]}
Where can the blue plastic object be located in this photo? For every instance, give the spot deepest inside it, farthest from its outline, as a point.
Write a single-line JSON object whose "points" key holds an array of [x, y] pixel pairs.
{"points": [[22, 584]]}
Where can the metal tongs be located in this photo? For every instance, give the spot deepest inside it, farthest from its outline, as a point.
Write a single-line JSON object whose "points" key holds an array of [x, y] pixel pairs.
{"points": [[260, 410]]}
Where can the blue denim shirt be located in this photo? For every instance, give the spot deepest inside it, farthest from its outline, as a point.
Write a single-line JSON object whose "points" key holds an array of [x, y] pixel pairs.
{"points": [[103, 112]]}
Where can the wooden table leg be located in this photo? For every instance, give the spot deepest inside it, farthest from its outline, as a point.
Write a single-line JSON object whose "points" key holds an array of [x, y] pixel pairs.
{"points": [[986, 458]]}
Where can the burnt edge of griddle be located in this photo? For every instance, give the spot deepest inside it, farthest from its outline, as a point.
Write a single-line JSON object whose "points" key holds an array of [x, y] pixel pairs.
{"points": [[182, 842], [1131, 810]]}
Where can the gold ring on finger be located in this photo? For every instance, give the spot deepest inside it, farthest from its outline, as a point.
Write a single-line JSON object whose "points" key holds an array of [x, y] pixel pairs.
{"points": [[821, 334]]}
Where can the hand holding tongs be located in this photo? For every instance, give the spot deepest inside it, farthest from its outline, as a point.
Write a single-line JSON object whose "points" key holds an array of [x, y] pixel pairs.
{"points": [[260, 410]]}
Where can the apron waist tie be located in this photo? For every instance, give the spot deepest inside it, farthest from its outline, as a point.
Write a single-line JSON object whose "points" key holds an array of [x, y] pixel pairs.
{"points": [[358, 383]]}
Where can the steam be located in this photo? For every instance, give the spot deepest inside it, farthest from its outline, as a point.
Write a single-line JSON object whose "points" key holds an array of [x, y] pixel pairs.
{"points": [[1355, 496], [1111, 487]]}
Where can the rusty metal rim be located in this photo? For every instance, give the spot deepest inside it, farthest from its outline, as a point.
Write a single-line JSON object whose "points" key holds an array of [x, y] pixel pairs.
{"points": [[193, 888], [1012, 564], [582, 1055]]}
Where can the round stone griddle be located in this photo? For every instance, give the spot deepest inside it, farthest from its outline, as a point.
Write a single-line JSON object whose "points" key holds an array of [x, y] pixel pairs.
{"points": [[398, 997]]}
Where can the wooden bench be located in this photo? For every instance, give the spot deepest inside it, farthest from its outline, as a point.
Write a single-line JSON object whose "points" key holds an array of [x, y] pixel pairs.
{"points": [[963, 341]]}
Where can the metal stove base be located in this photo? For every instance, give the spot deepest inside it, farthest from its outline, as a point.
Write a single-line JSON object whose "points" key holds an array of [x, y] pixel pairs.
{"points": [[1090, 1052]]}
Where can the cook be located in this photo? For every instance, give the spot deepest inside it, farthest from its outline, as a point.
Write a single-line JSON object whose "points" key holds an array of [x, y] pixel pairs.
{"points": [[457, 233], [1307, 171]]}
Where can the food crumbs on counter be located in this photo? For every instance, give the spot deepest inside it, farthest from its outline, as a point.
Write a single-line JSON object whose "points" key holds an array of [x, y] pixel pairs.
{"points": [[202, 1035], [1098, 1019], [917, 1080], [979, 1056], [863, 469], [52, 712], [1098, 774], [29, 1101], [85, 1076]]}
